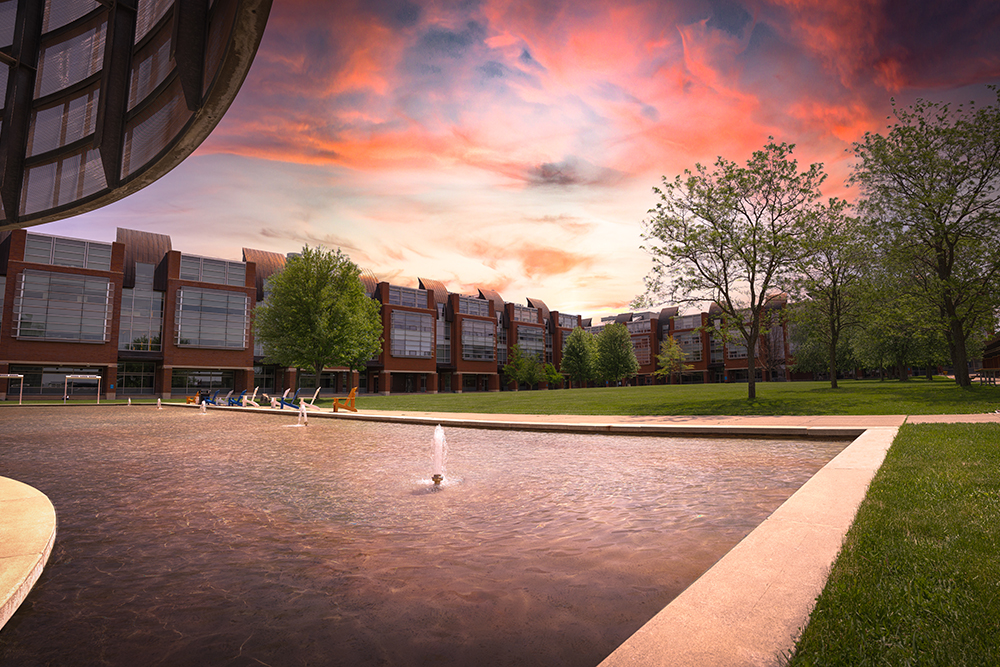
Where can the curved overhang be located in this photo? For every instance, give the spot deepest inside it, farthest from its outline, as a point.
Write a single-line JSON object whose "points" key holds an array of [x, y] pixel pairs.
{"points": [[146, 85]]}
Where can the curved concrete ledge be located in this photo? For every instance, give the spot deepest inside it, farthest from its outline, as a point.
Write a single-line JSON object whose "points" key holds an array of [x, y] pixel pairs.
{"points": [[751, 606], [27, 533]]}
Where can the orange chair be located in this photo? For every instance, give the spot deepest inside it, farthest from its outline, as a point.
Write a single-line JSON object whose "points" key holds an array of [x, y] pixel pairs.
{"points": [[346, 403]]}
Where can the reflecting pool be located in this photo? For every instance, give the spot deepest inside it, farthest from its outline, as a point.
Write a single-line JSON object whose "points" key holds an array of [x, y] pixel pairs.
{"points": [[236, 539]]}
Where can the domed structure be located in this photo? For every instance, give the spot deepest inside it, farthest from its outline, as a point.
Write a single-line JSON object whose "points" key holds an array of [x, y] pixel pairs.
{"points": [[103, 98]]}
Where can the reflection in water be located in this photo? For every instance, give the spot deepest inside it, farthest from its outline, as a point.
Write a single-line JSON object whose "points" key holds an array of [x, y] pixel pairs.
{"points": [[230, 540]]}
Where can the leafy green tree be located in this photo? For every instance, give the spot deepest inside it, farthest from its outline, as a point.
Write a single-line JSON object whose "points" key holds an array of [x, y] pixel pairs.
{"points": [[896, 331], [733, 235], [316, 314], [615, 354], [551, 375], [523, 367], [931, 186], [810, 345], [579, 356], [832, 272], [670, 360]]}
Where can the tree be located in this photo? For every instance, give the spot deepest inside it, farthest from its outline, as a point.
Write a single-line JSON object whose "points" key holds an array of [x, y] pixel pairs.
{"points": [[832, 273], [670, 360], [615, 354], [523, 367], [579, 356], [316, 314], [895, 331], [930, 185], [732, 235], [551, 375]]}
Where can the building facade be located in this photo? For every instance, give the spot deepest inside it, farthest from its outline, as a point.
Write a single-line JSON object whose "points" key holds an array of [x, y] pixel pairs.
{"points": [[149, 320]]}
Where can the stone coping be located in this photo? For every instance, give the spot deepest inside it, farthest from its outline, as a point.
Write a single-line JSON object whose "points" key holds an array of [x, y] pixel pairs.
{"points": [[27, 533]]}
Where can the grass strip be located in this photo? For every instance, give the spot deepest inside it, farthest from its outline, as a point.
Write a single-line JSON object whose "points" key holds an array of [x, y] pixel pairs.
{"points": [[917, 581], [853, 397]]}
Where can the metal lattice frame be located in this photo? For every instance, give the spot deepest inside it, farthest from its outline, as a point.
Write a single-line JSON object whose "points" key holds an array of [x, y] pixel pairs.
{"points": [[102, 97]]}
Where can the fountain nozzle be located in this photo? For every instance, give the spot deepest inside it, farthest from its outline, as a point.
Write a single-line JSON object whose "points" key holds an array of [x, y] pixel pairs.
{"points": [[437, 479]]}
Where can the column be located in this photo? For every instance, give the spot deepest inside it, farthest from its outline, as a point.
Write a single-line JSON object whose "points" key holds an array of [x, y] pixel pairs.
{"points": [[456, 383]]}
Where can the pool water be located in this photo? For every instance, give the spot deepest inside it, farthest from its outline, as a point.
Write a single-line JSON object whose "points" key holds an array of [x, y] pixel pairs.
{"points": [[243, 539]]}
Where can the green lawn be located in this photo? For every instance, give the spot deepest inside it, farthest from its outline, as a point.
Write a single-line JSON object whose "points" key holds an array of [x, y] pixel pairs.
{"points": [[866, 397], [918, 579]]}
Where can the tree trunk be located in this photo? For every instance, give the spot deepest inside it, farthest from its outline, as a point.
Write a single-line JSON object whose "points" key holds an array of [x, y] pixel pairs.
{"points": [[752, 368], [959, 355], [833, 361]]}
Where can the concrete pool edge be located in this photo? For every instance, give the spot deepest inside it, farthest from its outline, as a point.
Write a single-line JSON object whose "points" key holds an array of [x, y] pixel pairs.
{"points": [[27, 534], [751, 606]]}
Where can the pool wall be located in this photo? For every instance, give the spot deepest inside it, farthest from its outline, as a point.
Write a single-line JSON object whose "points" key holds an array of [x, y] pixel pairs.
{"points": [[27, 533]]}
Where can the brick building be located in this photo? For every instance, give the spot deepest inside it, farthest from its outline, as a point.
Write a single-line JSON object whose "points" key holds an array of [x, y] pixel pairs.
{"points": [[154, 321]]}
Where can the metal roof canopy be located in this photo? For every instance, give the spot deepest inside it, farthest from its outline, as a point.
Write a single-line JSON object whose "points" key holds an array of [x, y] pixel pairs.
{"points": [[100, 99]]}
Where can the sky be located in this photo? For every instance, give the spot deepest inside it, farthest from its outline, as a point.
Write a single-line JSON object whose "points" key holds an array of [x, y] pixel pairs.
{"points": [[515, 145]]}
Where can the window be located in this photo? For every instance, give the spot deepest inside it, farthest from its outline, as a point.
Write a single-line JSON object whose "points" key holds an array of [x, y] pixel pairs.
{"points": [[59, 251], [412, 335], [62, 307], [643, 351], [478, 339], [568, 321], [468, 305], [501, 334], [443, 351], [737, 351], [525, 314], [136, 377], [211, 318], [531, 340], [141, 323], [407, 296], [189, 380], [687, 322], [690, 343], [51, 380], [215, 271], [640, 326]]}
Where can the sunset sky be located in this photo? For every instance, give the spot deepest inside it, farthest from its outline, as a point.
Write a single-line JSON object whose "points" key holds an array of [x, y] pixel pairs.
{"points": [[515, 145]]}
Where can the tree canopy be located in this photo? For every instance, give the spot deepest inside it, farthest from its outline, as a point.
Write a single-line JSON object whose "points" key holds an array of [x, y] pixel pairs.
{"points": [[837, 256], [523, 367], [670, 360], [733, 235], [615, 354], [931, 187], [579, 356], [316, 314]]}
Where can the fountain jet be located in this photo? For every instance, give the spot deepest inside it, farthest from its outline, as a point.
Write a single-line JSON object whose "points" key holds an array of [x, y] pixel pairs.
{"points": [[440, 452]]}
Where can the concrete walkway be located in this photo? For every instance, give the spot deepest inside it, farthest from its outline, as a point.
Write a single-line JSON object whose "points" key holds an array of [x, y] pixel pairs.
{"points": [[746, 610]]}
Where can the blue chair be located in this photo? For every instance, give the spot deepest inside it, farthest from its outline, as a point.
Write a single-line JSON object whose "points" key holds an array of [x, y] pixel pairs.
{"points": [[211, 400], [290, 402], [238, 401]]}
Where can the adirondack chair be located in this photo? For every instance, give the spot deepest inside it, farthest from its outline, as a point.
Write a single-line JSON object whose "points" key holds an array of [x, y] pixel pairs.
{"points": [[211, 400], [275, 400], [215, 400], [309, 405], [252, 400], [347, 402], [291, 401]]}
